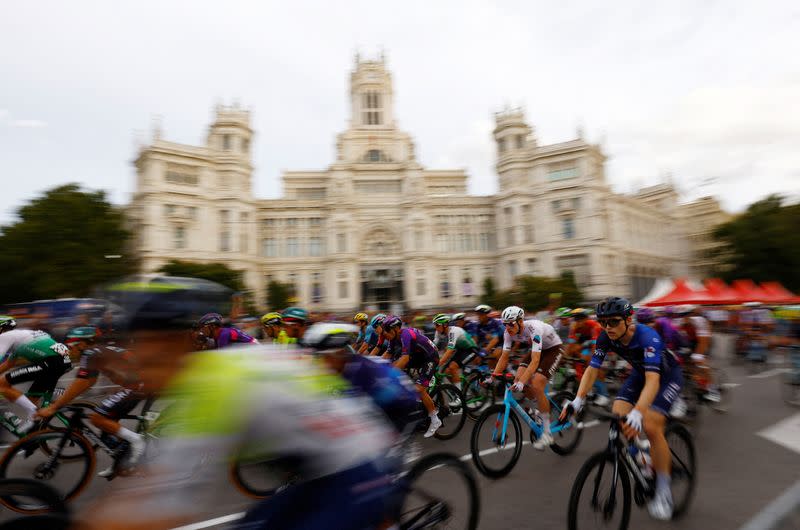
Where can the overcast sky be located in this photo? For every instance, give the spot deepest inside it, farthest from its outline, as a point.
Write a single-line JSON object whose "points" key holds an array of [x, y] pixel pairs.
{"points": [[706, 91]]}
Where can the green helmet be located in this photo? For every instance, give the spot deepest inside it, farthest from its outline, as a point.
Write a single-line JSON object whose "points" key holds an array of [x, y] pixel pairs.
{"points": [[7, 323], [295, 314], [441, 319], [83, 332], [563, 312]]}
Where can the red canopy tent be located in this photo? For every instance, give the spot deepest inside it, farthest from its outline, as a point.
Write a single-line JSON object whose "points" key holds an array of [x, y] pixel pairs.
{"points": [[748, 291], [719, 293], [778, 294], [681, 294]]}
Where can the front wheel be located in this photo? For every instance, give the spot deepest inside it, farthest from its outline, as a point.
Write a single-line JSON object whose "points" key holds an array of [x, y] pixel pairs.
{"points": [[26, 459], [450, 402], [591, 503], [567, 439], [258, 478], [684, 467], [494, 451], [427, 506], [476, 395]]}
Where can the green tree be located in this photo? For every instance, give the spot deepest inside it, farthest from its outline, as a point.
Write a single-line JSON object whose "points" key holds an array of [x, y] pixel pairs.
{"points": [[59, 244], [532, 293], [763, 243], [278, 295], [489, 296]]}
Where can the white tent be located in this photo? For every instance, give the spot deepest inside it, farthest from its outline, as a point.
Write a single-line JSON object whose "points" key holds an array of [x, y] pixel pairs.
{"points": [[660, 288]]}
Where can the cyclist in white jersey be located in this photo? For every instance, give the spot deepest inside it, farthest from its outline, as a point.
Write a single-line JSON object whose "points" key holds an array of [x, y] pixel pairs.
{"points": [[546, 352]]}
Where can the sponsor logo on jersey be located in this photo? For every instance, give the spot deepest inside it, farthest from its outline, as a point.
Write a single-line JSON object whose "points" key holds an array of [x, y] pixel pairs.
{"points": [[650, 352]]}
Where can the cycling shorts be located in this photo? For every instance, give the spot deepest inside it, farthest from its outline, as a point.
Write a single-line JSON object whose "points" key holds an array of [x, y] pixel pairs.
{"points": [[422, 375], [44, 374], [549, 360], [464, 357], [119, 404], [668, 391]]}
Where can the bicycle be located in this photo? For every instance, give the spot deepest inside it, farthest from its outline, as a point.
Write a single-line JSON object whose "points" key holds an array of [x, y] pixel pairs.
{"points": [[53, 515], [10, 421], [449, 400], [694, 393], [622, 467], [68, 454], [498, 417]]}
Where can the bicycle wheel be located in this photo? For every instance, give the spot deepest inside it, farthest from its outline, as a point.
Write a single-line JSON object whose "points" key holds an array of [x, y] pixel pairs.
{"points": [[590, 501], [495, 456], [684, 470], [441, 492], [476, 396], [257, 479], [449, 401], [566, 440], [25, 459], [71, 451]]}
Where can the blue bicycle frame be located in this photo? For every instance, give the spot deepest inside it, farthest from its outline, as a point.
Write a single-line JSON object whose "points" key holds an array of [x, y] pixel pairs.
{"points": [[512, 404]]}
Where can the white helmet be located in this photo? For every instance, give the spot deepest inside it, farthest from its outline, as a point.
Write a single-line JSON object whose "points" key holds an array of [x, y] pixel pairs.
{"points": [[512, 314]]}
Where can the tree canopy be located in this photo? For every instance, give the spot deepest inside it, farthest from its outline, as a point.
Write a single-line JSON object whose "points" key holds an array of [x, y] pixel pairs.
{"points": [[63, 243]]}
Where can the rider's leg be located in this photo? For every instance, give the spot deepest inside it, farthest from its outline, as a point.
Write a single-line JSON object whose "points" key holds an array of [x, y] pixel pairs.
{"points": [[427, 402], [654, 424]]}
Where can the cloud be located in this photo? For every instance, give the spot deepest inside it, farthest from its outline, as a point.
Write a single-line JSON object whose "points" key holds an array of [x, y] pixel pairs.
{"points": [[28, 124]]}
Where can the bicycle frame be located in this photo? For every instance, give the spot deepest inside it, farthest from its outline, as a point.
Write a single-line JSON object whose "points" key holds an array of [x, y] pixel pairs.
{"points": [[47, 398], [512, 404]]}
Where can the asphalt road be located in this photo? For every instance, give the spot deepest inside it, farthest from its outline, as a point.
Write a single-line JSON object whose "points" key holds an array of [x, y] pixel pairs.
{"points": [[746, 459]]}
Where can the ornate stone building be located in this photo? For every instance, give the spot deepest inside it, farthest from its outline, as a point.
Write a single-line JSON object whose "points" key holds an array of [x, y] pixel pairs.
{"points": [[435, 244]]}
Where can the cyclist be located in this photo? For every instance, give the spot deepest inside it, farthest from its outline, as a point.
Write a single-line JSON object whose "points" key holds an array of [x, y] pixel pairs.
{"points": [[210, 325], [546, 352], [116, 364], [362, 321], [487, 332], [648, 394], [295, 322], [410, 350], [670, 335], [697, 332], [270, 406], [47, 360], [562, 323], [582, 340], [374, 345], [460, 349], [271, 326]]}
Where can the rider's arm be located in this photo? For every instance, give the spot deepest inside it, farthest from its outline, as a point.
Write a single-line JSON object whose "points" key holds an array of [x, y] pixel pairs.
{"points": [[445, 360], [6, 365], [78, 387], [652, 381], [495, 340], [587, 381], [531, 369], [589, 376], [402, 362], [503, 362]]}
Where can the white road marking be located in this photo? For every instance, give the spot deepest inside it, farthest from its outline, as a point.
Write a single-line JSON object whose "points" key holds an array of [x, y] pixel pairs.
{"points": [[776, 511], [769, 373], [212, 522], [785, 433]]}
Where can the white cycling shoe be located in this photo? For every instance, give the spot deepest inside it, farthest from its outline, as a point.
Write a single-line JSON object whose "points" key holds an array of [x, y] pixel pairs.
{"points": [[544, 441], [435, 424], [660, 506], [601, 400]]}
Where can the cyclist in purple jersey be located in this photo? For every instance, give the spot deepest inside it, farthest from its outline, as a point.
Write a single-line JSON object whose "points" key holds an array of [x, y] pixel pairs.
{"points": [[210, 325], [411, 350], [670, 336]]}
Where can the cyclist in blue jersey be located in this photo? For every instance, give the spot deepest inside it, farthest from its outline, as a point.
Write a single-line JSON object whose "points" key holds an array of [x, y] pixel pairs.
{"points": [[487, 333], [411, 350], [210, 325], [374, 343], [648, 394], [362, 321]]}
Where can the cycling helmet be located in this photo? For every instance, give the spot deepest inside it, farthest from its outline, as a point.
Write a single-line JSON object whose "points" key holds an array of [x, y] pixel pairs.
{"points": [[483, 308], [512, 314], [377, 320], [361, 317], [457, 316], [271, 319], [494, 314], [645, 315], [329, 337], [563, 312], [7, 323], [83, 332], [441, 319], [614, 306], [392, 322], [580, 312], [214, 319], [295, 314]]}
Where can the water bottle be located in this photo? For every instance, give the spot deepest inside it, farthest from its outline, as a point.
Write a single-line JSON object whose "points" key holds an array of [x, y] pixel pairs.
{"points": [[12, 418], [640, 451]]}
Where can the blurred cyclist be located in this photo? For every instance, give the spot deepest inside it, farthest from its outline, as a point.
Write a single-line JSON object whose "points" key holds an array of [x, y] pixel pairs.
{"points": [[210, 325]]}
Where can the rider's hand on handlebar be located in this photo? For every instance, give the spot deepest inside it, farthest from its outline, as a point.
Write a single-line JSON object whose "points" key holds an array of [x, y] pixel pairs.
{"points": [[573, 407], [45, 412], [633, 424]]}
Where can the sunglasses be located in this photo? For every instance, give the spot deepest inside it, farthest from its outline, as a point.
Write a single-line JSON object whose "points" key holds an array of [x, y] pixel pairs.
{"points": [[609, 322], [509, 324]]}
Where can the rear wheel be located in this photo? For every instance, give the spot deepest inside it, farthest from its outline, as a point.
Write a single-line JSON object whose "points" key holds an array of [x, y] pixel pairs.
{"points": [[425, 506], [496, 455], [591, 504], [450, 402]]}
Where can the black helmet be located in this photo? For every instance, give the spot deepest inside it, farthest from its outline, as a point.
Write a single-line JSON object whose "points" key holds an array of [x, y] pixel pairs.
{"points": [[614, 306]]}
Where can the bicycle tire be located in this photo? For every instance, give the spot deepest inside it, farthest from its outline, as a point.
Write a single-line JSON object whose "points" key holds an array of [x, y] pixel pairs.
{"points": [[474, 405], [36, 440], [491, 415], [246, 488], [566, 447], [437, 460], [49, 423], [443, 396], [680, 508], [581, 478]]}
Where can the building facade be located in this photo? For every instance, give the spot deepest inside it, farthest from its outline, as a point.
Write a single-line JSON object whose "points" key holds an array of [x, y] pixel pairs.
{"points": [[420, 240]]}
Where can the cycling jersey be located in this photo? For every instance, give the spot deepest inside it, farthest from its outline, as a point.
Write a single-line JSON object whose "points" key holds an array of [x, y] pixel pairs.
{"points": [[115, 363], [541, 336], [694, 328], [227, 336], [31, 345], [645, 352], [459, 340], [585, 334], [420, 349], [484, 333], [669, 334]]}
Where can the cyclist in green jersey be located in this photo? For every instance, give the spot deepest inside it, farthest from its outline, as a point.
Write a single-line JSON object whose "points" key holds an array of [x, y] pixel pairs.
{"points": [[295, 322], [47, 360], [273, 332], [460, 350]]}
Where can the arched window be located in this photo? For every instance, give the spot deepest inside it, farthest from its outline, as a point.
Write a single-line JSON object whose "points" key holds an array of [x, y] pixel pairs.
{"points": [[376, 155]]}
